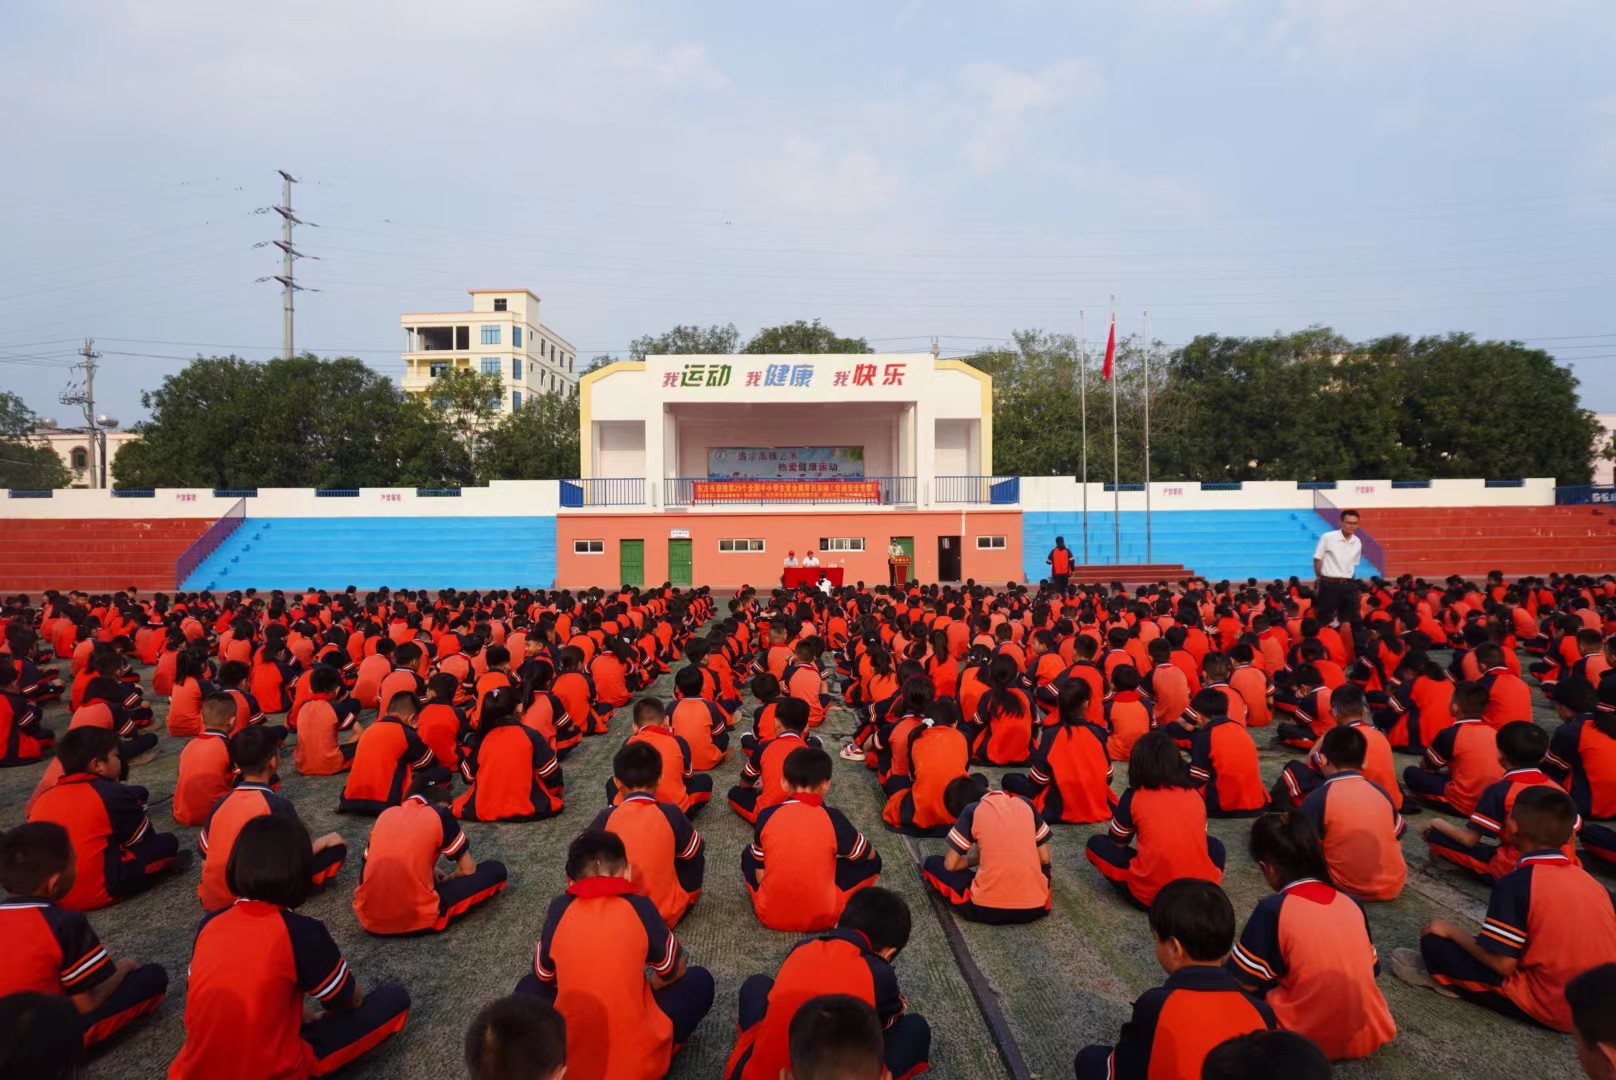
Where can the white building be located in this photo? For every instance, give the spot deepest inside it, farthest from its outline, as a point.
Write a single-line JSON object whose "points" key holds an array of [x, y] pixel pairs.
{"points": [[1604, 468], [501, 335], [75, 449]]}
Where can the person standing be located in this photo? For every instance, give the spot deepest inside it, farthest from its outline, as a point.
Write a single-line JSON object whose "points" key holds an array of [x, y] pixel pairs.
{"points": [[895, 552], [1335, 564], [1060, 566]]}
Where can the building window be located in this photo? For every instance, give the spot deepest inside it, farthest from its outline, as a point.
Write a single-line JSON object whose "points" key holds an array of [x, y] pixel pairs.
{"points": [[500, 304], [491, 365], [589, 547], [516, 399], [740, 545], [80, 459], [569, 363], [439, 368], [516, 368], [516, 336], [490, 335], [462, 338], [496, 402], [990, 543], [841, 543]]}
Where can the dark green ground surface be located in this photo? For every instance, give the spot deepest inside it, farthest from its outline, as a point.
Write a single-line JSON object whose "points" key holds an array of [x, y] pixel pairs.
{"points": [[1064, 982]]}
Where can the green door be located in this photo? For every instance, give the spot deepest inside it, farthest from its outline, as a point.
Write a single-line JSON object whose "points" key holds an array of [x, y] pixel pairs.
{"points": [[631, 562], [679, 562], [908, 545]]}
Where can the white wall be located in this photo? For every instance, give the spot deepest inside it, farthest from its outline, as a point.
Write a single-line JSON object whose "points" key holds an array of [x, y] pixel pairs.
{"points": [[502, 498], [1064, 493], [878, 435]]}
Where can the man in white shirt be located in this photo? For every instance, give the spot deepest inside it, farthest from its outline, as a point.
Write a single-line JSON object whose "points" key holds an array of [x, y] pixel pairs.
{"points": [[1335, 564], [824, 584], [791, 558], [810, 559]]}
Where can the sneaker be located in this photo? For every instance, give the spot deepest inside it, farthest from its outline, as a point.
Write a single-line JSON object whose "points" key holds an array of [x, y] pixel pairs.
{"points": [[1409, 966], [851, 752]]}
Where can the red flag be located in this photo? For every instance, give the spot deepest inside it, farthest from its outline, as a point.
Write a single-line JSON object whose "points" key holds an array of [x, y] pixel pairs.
{"points": [[1110, 350]]}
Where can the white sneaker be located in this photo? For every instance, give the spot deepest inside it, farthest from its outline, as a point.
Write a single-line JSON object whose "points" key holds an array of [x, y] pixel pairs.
{"points": [[851, 752]]}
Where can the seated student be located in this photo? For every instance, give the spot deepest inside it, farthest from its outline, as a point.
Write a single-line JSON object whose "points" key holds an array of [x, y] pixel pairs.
{"points": [[1223, 759], [996, 870], [577, 692], [1128, 713], [803, 680], [1001, 732], [372, 670], [1070, 776], [1267, 1055], [1306, 951], [443, 725], [938, 754], [1175, 1026], [512, 772], [1166, 683], [894, 723], [1158, 832], [1418, 706], [805, 858], [854, 959], [1521, 746], [1583, 748], [1348, 708], [401, 890], [1508, 697], [206, 772], [320, 749], [191, 685], [254, 961], [698, 721], [837, 1037], [50, 950], [544, 711], [614, 681], [1252, 684], [117, 854], [405, 677], [1467, 749], [517, 1038], [763, 777], [232, 680], [766, 689], [1592, 997], [1307, 705], [1547, 922], [665, 856], [36, 684], [1358, 823], [612, 968], [684, 788], [24, 738], [109, 684], [254, 754], [41, 1037], [386, 759]]}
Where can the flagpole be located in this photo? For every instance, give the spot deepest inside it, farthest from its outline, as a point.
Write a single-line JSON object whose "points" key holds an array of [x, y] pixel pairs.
{"points": [[1116, 473], [1083, 396], [1148, 549]]}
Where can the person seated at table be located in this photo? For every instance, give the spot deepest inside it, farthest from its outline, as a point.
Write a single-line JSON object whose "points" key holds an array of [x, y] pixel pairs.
{"points": [[810, 559], [791, 560]]}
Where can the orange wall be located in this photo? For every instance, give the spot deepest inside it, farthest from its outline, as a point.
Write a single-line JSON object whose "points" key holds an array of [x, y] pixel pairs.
{"points": [[782, 532]]}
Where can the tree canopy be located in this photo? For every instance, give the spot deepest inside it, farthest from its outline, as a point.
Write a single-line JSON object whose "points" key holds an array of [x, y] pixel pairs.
{"points": [[801, 337], [24, 464]]}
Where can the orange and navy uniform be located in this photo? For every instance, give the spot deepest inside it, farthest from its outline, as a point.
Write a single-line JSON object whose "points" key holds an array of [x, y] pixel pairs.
{"points": [[1084, 670], [1069, 778], [614, 683], [128, 704], [205, 775], [1129, 714], [1588, 755], [549, 717], [385, 761], [1418, 709], [811, 860], [1361, 829], [806, 683], [836, 962], [1175, 1026], [1009, 883], [1508, 698], [185, 706], [401, 680], [1157, 835], [763, 775], [398, 891], [680, 784], [665, 854], [317, 751], [1003, 731], [1170, 690], [225, 822], [1224, 759], [250, 968], [704, 728], [1494, 856], [937, 755], [117, 851], [1309, 714], [513, 774], [1308, 952], [442, 726], [577, 692], [24, 740], [1468, 750]]}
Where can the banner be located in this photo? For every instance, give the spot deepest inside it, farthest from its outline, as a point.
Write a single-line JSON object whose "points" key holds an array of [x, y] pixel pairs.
{"points": [[784, 462], [719, 491]]}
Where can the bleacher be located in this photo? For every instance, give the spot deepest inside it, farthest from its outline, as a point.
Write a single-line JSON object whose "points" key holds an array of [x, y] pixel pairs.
{"points": [[93, 553], [1438, 541], [420, 552]]}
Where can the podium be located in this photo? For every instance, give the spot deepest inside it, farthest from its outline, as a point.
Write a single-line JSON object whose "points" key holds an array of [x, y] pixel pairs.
{"points": [[899, 567]]}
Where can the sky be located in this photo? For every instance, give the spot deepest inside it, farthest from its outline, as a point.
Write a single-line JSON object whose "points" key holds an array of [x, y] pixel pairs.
{"points": [[901, 170]]}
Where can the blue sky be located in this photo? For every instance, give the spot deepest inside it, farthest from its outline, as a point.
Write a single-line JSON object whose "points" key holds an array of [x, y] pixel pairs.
{"points": [[900, 170]]}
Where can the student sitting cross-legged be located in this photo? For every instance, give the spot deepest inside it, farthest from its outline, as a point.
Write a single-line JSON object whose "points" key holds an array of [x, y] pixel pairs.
{"points": [[1462, 759], [517, 1038], [1175, 1026], [854, 959], [206, 772], [1361, 827], [997, 867], [665, 853], [680, 784], [513, 772], [837, 1037], [762, 779], [386, 759], [1070, 775], [1223, 759]]}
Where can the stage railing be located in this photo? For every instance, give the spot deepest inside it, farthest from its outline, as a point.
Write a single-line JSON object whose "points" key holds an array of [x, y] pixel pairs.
{"points": [[603, 491], [978, 490], [1372, 550], [859, 491], [209, 542]]}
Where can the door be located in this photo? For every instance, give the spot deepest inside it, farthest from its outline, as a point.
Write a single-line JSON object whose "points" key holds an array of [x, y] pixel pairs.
{"points": [[948, 558], [907, 544], [631, 562], [679, 562]]}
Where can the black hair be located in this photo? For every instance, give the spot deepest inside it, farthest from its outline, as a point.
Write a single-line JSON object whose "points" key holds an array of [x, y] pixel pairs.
{"points": [[1266, 1055], [1290, 844], [1349, 698], [31, 853], [1210, 701], [1470, 698], [648, 710], [41, 1037], [880, 915], [405, 698], [233, 672], [516, 1038], [324, 679], [1198, 914], [272, 861], [1125, 677], [1522, 743], [1344, 747], [499, 708], [792, 714], [688, 680], [1156, 763], [1592, 997], [252, 748], [765, 687], [82, 745], [1073, 701], [595, 853], [1545, 817], [637, 765], [836, 1037], [442, 686], [961, 792], [495, 655], [807, 767], [219, 708]]}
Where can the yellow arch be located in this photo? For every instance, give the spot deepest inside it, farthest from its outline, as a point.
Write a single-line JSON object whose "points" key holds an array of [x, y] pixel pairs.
{"points": [[586, 389], [986, 382]]}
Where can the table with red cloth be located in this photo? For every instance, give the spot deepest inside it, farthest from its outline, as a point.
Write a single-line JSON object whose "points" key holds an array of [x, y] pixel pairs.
{"points": [[794, 577]]}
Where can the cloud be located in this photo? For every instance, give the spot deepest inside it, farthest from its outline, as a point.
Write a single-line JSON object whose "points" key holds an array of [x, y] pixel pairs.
{"points": [[1002, 107], [682, 65], [1369, 32], [807, 177]]}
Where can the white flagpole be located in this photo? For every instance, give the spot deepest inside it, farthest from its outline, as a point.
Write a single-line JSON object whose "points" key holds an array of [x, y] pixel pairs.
{"points": [[1148, 549], [1116, 472], [1083, 396]]}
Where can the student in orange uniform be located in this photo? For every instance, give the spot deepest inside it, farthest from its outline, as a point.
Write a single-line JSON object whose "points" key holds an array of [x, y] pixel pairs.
{"points": [[253, 753], [1547, 922], [206, 772], [577, 692], [665, 853], [191, 685], [611, 967], [372, 670], [686, 789], [1158, 832], [763, 777], [837, 1037], [1070, 777], [401, 890], [50, 950], [518, 1038], [443, 725], [806, 858], [1357, 821], [253, 963], [1001, 733], [766, 689], [1419, 706], [1583, 751], [386, 759], [1175, 1026], [1521, 746], [512, 772], [698, 721], [1467, 750], [1307, 704], [111, 684], [1508, 697], [854, 959], [803, 680], [996, 870], [937, 753], [1253, 685], [1166, 684], [1306, 950], [320, 749], [117, 853], [24, 738], [1128, 713], [1223, 759], [1349, 708]]}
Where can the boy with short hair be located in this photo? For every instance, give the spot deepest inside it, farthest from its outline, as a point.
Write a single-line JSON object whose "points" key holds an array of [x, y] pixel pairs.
{"points": [[1307, 703], [1223, 758], [1358, 823], [206, 772], [1592, 997], [664, 850], [804, 681], [837, 1037], [1349, 707], [698, 720], [386, 759], [517, 1038], [679, 785], [1176, 1025], [996, 870], [766, 689], [1467, 750], [1166, 684], [320, 749], [762, 778]]}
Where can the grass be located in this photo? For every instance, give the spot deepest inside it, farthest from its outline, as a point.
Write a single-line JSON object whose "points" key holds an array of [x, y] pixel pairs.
{"points": [[1064, 982]]}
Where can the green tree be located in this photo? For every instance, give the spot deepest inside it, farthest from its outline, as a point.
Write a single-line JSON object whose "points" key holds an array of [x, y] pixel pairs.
{"points": [[24, 464], [539, 441], [469, 404], [688, 340], [802, 337]]}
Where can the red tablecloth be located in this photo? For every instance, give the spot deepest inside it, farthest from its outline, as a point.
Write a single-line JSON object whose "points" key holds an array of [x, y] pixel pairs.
{"points": [[792, 577]]}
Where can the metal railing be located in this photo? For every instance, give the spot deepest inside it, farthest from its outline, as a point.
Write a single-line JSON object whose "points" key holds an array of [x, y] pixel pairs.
{"points": [[23, 494], [336, 493], [437, 493], [860, 491], [1372, 549], [209, 542], [1584, 495], [134, 493], [979, 490], [603, 491]]}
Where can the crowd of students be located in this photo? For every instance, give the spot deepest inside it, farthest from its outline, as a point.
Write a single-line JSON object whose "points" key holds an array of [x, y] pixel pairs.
{"points": [[401, 697]]}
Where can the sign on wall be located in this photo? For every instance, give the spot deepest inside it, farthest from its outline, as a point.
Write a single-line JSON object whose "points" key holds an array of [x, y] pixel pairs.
{"points": [[760, 375], [784, 462]]}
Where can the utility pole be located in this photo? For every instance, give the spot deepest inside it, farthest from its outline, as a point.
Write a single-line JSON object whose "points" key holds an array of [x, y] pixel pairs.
{"points": [[85, 398], [289, 256]]}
